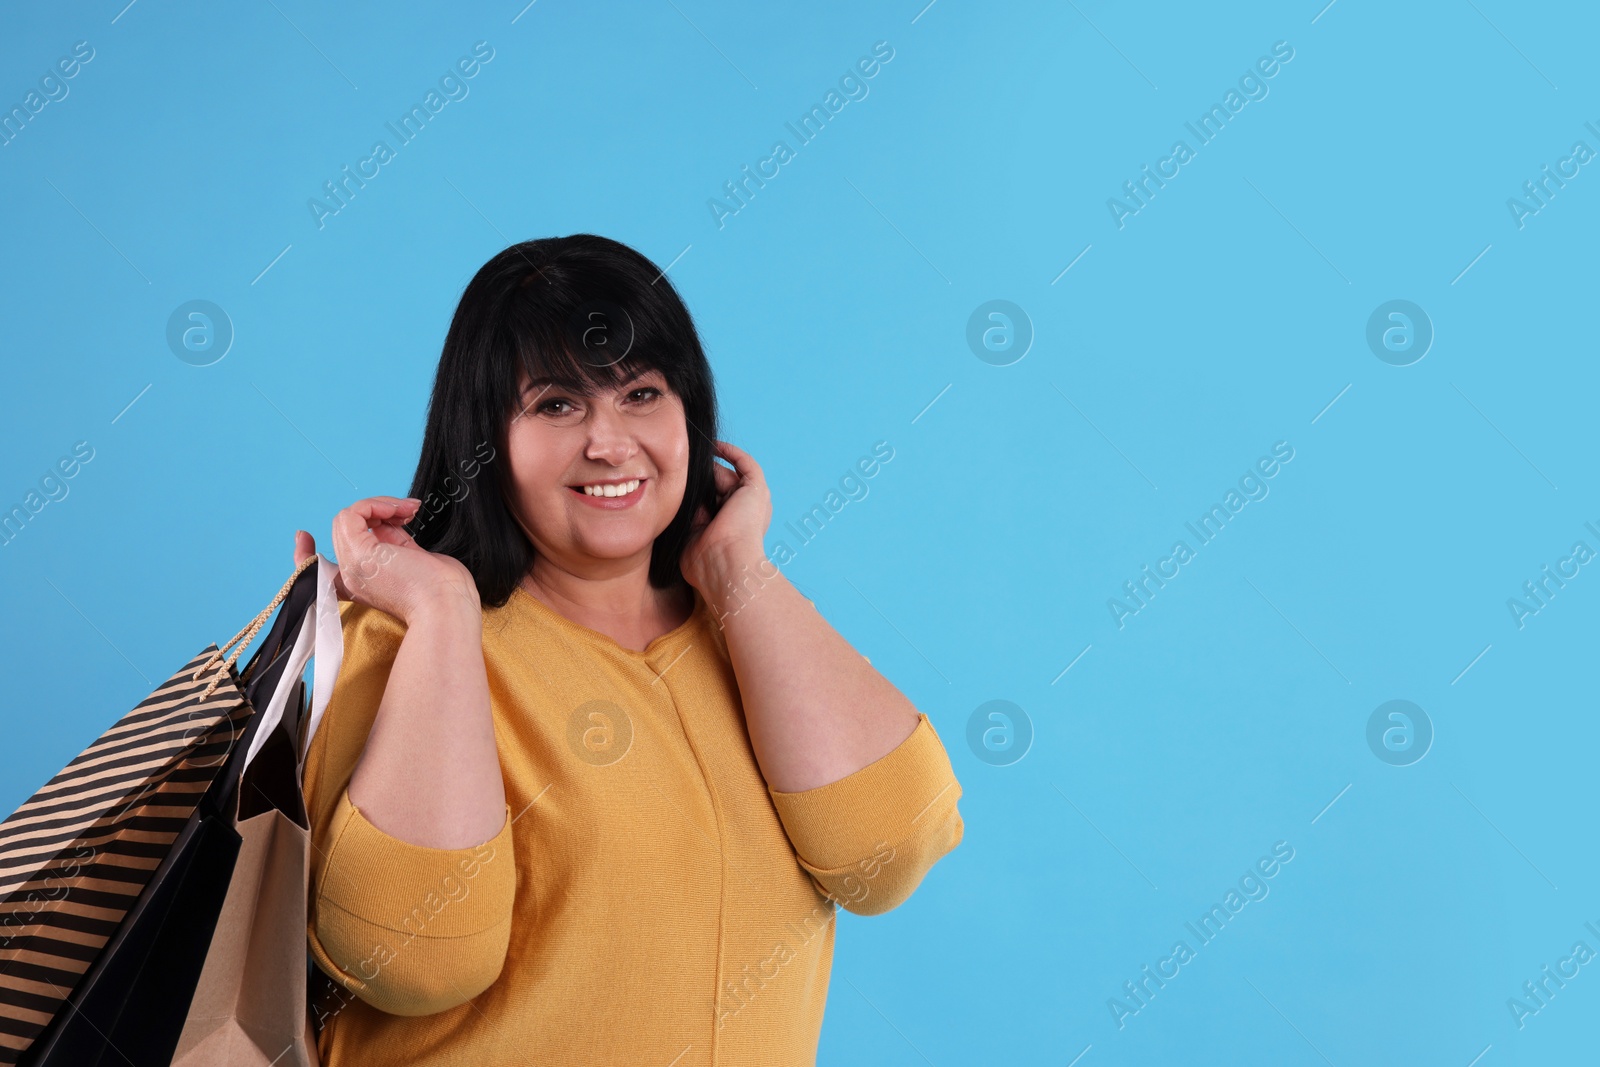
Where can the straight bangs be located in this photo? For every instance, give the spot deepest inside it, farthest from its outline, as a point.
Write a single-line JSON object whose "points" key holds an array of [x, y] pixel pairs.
{"points": [[593, 347]]}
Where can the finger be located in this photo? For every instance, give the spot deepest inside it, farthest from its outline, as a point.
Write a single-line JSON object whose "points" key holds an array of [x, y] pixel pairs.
{"points": [[727, 480], [353, 526], [305, 546], [387, 508], [394, 532], [379, 511], [396, 505], [742, 461]]}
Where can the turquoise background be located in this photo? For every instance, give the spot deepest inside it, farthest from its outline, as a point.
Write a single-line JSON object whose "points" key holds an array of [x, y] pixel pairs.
{"points": [[1228, 314]]}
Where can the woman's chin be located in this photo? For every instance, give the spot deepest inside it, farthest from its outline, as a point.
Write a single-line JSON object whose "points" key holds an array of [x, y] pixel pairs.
{"points": [[618, 545]]}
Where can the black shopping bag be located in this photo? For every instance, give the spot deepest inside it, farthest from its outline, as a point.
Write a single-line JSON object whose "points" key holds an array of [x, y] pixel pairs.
{"points": [[113, 874]]}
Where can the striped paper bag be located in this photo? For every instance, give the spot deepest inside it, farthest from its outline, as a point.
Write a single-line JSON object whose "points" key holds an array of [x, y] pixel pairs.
{"points": [[76, 858]]}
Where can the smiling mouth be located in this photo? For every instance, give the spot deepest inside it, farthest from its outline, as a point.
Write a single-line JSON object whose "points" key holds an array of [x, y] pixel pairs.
{"points": [[608, 489]]}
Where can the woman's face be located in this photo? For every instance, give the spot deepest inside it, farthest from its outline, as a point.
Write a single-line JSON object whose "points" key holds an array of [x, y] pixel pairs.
{"points": [[561, 442]]}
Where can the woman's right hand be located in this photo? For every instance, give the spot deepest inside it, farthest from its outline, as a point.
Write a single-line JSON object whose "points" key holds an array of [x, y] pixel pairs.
{"points": [[381, 566]]}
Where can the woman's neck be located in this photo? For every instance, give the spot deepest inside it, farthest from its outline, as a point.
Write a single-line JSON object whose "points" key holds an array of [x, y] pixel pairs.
{"points": [[625, 607]]}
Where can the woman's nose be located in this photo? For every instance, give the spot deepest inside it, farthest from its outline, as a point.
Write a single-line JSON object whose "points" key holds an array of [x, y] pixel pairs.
{"points": [[610, 440]]}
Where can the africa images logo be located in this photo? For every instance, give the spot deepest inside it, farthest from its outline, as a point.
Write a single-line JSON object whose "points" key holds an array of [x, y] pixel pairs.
{"points": [[1253, 486], [1206, 128]]}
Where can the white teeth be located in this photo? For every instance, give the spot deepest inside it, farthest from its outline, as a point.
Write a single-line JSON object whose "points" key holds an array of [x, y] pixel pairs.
{"points": [[612, 490]]}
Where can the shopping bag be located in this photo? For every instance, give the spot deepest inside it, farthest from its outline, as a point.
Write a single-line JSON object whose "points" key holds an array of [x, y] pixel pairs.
{"points": [[250, 1006], [114, 873]]}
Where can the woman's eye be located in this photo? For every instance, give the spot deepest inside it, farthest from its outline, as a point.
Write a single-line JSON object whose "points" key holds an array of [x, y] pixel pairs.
{"points": [[561, 407]]}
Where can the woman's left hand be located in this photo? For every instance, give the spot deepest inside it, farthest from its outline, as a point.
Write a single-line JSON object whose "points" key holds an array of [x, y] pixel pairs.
{"points": [[741, 521]]}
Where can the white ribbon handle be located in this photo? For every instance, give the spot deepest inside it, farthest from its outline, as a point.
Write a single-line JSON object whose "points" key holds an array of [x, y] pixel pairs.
{"points": [[329, 651], [324, 639]]}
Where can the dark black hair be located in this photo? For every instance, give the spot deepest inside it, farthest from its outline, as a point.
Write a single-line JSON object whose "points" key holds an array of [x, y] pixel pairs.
{"points": [[585, 312]]}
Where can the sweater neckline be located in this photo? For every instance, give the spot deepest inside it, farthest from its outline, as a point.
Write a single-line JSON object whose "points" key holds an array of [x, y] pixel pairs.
{"points": [[607, 640]]}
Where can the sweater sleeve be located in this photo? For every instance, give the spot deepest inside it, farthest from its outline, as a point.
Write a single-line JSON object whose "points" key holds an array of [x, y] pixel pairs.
{"points": [[868, 839], [408, 929]]}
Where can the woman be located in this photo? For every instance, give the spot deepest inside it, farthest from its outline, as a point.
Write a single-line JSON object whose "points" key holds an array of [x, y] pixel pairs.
{"points": [[594, 776]]}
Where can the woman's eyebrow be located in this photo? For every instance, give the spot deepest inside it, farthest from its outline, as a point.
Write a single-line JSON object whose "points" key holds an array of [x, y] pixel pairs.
{"points": [[583, 387]]}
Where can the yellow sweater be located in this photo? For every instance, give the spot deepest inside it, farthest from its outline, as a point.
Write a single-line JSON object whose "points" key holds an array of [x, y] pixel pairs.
{"points": [[648, 901]]}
